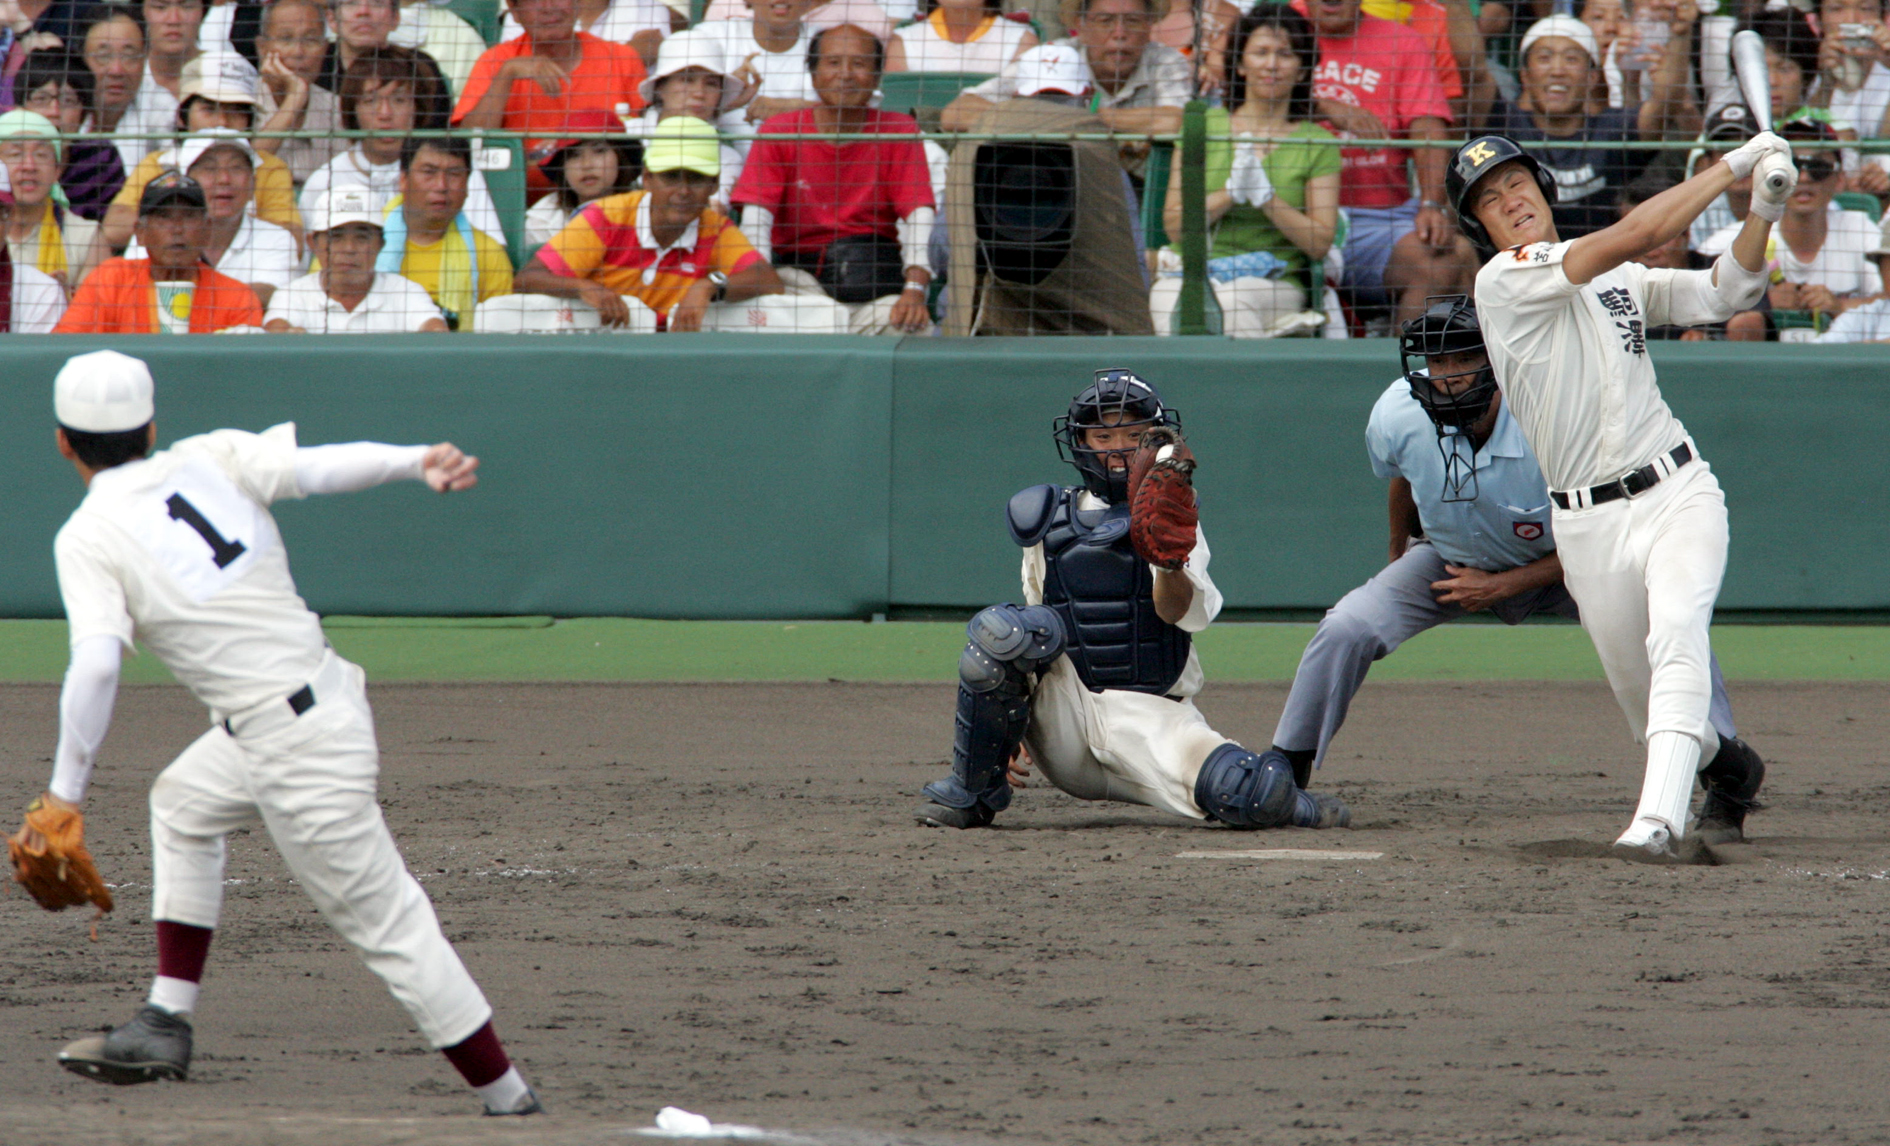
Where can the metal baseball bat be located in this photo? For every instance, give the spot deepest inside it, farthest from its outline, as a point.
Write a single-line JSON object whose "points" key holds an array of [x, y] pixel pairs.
{"points": [[1755, 84]]}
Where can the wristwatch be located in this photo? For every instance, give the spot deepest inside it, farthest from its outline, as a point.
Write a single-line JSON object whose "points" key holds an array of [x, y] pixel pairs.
{"points": [[721, 285]]}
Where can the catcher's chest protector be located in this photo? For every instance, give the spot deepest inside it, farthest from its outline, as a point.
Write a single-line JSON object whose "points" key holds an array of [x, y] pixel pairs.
{"points": [[1106, 597]]}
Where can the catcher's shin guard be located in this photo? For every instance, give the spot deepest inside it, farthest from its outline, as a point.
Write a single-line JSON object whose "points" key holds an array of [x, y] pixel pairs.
{"points": [[1732, 780], [1239, 788], [1007, 644]]}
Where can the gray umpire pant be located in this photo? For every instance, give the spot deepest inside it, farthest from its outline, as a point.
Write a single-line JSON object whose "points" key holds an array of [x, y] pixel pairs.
{"points": [[1383, 613]]}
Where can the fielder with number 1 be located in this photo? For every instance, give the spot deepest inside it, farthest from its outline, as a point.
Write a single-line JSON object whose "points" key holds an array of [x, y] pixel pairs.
{"points": [[178, 550]]}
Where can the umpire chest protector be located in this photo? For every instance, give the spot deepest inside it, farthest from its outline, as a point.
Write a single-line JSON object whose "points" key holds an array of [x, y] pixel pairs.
{"points": [[1102, 590]]}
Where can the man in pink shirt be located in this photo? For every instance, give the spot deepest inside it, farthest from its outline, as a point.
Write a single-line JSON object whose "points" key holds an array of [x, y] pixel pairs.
{"points": [[1376, 79]]}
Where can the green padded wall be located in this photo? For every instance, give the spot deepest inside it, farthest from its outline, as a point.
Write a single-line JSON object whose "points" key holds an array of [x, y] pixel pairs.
{"points": [[781, 476]]}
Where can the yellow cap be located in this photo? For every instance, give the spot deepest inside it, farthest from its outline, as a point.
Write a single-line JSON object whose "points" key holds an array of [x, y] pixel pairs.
{"points": [[683, 143]]}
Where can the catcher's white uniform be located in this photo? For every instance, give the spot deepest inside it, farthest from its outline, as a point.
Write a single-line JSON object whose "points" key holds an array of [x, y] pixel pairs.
{"points": [[1645, 570], [179, 551]]}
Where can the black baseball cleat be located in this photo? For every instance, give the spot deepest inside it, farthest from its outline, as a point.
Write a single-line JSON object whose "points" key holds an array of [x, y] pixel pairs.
{"points": [[1319, 810], [1732, 784], [154, 1045], [935, 815]]}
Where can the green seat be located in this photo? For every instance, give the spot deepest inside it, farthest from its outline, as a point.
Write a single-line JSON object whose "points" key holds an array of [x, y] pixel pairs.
{"points": [[910, 91], [1161, 160], [483, 15], [1861, 201], [502, 163]]}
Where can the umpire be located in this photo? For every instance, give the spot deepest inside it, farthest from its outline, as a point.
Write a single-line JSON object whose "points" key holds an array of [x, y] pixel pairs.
{"points": [[1470, 533]]}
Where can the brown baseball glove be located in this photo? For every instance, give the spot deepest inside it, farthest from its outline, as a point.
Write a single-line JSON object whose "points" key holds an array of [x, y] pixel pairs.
{"points": [[1162, 515], [50, 860]]}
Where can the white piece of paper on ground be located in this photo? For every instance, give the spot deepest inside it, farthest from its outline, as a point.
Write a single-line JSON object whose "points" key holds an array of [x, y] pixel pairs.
{"points": [[675, 1122]]}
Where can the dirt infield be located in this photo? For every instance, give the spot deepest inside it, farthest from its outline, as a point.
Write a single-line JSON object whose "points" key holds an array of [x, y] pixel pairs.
{"points": [[713, 897]]}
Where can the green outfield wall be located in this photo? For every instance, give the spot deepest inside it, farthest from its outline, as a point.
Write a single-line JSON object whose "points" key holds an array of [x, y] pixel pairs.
{"points": [[775, 476]]}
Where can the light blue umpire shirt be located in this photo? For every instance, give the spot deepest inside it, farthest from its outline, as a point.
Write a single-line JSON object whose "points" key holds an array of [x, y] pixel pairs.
{"points": [[1507, 526]]}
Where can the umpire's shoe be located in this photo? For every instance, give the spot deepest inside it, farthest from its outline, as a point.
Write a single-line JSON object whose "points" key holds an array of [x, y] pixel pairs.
{"points": [[155, 1044], [1732, 784]]}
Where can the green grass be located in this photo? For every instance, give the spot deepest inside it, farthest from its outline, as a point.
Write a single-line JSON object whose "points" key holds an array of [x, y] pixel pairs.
{"points": [[538, 648]]}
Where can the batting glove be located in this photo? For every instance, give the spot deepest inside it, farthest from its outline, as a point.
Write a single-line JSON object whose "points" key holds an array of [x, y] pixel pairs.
{"points": [[1247, 182], [1767, 203], [1743, 158]]}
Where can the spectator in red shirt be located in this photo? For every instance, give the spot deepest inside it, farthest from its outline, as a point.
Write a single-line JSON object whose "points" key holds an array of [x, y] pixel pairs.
{"points": [[1377, 80], [851, 220], [534, 83]]}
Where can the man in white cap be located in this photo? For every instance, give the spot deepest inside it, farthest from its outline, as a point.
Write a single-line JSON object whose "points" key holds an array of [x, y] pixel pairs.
{"points": [[249, 250], [31, 301], [219, 90], [178, 550], [44, 233], [348, 296], [1559, 61]]}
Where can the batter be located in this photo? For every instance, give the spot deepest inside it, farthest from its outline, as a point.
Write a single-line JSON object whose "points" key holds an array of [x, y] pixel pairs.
{"points": [[178, 550], [1097, 670], [1640, 522], [1470, 533]]}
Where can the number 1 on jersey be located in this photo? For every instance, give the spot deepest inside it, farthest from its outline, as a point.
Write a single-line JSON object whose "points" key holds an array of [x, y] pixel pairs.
{"points": [[222, 550]]}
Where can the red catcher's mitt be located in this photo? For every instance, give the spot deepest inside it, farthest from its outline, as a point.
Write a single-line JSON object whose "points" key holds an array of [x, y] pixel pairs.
{"points": [[1162, 515], [50, 859]]}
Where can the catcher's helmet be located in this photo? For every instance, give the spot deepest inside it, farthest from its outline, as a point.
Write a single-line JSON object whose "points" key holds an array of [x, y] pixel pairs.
{"points": [[1449, 326], [1133, 400], [1472, 162]]}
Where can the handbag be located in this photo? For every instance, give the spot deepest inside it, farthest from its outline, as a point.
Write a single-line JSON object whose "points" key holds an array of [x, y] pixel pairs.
{"points": [[855, 268]]}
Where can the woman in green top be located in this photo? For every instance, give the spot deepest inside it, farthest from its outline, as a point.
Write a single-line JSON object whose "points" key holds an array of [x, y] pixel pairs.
{"points": [[1273, 192]]}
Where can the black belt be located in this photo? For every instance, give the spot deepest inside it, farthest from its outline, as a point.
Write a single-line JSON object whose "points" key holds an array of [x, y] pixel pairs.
{"points": [[300, 701], [1631, 485]]}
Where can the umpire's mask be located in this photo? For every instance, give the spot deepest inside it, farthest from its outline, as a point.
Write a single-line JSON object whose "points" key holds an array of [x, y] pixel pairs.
{"points": [[1457, 401]]}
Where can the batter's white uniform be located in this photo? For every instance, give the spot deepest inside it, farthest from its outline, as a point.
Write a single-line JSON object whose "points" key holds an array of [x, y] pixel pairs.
{"points": [[180, 552], [1645, 571], [1122, 745]]}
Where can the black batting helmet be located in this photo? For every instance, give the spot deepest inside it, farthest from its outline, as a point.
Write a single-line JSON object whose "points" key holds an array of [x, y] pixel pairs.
{"points": [[1449, 326], [1472, 162], [1134, 402]]}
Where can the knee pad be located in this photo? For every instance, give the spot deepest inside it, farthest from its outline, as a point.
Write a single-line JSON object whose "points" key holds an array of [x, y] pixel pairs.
{"points": [[1237, 787], [1008, 641]]}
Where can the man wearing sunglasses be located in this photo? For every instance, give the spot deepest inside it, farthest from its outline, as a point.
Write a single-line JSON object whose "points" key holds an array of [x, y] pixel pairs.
{"points": [[1823, 250]]}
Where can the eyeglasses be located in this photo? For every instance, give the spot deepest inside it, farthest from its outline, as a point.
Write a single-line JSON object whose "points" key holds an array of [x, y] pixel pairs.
{"points": [[67, 98], [1816, 168], [1127, 21]]}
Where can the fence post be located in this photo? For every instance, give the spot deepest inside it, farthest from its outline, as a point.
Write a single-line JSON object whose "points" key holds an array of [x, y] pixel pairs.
{"points": [[1191, 308]]}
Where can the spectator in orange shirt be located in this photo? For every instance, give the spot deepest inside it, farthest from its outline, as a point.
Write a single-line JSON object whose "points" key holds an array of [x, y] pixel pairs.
{"points": [[173, 291], [533, 83]]}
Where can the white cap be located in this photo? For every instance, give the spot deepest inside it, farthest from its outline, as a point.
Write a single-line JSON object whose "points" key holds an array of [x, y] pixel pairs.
{"points": [[690, 49], [103, 392], [221, 75], [197, 144], [339, 206], [1568, 27], [1053, 68]]}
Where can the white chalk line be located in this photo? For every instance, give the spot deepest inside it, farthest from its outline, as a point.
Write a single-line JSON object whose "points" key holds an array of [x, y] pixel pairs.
{"points": [[1282, 854]]}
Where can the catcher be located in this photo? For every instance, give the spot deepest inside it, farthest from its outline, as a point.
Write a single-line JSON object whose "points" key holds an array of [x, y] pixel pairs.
{"points": [[1097, 671], [179, 550]]}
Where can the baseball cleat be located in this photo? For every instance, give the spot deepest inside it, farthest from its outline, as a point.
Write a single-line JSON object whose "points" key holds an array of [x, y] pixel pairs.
{"points": [[1646, 841], [528, 1105], [934, 815], [1732, 782], [154, 1045]]}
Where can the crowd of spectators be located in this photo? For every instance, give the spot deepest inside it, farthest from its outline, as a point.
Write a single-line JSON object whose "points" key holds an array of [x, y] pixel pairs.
{"points": [[649, 203]]}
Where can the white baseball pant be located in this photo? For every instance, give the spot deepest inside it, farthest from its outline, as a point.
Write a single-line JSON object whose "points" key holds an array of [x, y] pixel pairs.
{"points": [[311, 781], [1118, 745], [1645, 572]]}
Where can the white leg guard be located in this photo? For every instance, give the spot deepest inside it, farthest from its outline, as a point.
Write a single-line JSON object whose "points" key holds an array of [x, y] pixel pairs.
{"points": [[1673, 762]]}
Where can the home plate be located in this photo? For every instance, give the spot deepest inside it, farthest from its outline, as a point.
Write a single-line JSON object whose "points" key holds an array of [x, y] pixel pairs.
{"points": [[1281, 854]]}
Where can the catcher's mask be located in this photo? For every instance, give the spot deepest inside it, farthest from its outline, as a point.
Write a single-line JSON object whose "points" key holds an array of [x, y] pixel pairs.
{"points": [[1116, 398], [1454, 402]]}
